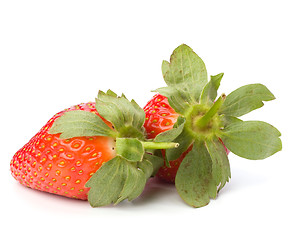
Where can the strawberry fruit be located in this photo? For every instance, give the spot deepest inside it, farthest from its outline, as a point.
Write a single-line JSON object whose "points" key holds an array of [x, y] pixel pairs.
{"points": [[102, 153], [188, 108], [95, 151], [62, 166]]}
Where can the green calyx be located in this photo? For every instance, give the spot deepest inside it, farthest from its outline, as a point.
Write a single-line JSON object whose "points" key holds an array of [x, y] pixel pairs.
{"points": [[207, 120], [124, 176], [202, 121], [208, 123]]}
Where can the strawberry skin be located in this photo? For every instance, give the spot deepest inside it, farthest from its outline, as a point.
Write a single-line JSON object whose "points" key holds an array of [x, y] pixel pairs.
{"points": [[160, 117], [61, 166]]}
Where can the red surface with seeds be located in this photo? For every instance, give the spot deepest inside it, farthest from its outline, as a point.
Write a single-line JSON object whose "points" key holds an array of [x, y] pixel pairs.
{"points": [[160, 117], [61, 166]]}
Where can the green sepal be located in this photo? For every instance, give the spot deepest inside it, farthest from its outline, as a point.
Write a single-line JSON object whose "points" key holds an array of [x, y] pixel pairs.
{"points": [[111, 93], [119, 179], [209, 92], [79, 123], [107, 183], [185, 76], [179, 98], [194, 181], [246, 99], [251, 139], [203, 173], [137, 176], [127, 117], [170, 135], [130, 148], [184, 139], [227, 120], [185, 67], [221, 172], [147, 167], [135, 180], [114, 182], [155, 159]]}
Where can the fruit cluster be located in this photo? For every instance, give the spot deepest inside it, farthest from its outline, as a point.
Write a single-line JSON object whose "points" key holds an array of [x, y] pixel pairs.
{"points": [[105, 151]]}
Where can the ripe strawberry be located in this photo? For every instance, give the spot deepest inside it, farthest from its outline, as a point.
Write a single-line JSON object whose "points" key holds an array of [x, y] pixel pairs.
{"points": [[93, 151], [62, 166], [160, 117]]}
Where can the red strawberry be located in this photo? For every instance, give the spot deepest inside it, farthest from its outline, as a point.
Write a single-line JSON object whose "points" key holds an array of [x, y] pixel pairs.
{"points": [[160, 117], [62, 166], [93, 151]]}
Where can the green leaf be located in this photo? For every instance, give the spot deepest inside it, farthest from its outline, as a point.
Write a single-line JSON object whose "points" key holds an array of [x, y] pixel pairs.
{"points": [[170, 135], [226, 120], [209, 92], [251, 139], [147, 167], [185, 76], [221, 172], [134, 183], [130, 149], [156, 162], [179, 98], [185, 139], [137, 177], [127, 117], [80, 123], [114, 182], [107, 183], [165, 68], [138, 115], [246, 99], [204, 169], [185, 67], [111, 93], [194, 181]]}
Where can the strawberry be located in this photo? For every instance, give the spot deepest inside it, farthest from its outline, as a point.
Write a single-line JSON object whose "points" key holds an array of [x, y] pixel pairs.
{"points": [[62, 166], [160, 117], [188, 111], [91, 151]]}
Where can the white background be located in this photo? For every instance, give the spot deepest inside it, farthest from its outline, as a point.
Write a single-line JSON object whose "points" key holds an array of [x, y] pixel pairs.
{"points": [[54, 54]]}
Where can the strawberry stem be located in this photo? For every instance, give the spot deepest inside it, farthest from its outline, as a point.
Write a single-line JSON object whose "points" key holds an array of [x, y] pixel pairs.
{"points": [[159, 145], [203, 121]]}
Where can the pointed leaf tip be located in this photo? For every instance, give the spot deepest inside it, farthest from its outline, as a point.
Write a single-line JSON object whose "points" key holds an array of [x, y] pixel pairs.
{"points": [[209, 92]]}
